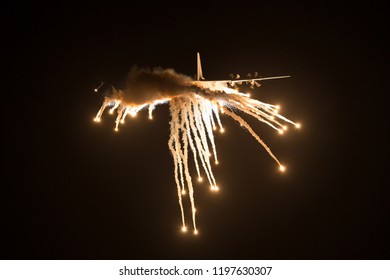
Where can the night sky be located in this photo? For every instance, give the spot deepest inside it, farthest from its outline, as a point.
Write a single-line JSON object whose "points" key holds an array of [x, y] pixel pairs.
{"points": [[74, 189]]}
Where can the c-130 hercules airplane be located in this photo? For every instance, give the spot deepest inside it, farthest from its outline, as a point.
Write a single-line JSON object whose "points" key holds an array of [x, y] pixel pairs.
{"points": [[232, 82]]}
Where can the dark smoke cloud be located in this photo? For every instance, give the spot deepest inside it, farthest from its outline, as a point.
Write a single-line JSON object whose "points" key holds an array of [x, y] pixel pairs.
{"points": [[143, 85]]}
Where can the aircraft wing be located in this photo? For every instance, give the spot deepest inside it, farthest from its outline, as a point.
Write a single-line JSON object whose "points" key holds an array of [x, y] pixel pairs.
{"points": [[252, 81], [249, 80]]}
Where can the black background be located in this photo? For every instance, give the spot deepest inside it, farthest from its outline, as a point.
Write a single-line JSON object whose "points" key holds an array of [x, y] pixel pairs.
{"points": [[73, 189]]}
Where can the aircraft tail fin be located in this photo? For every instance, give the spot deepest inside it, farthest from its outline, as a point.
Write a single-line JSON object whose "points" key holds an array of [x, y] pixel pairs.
{"points": [[199, 74]]}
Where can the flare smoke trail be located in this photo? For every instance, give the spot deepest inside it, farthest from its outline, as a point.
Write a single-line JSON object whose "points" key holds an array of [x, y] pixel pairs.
{"points": [[195, 108]]}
